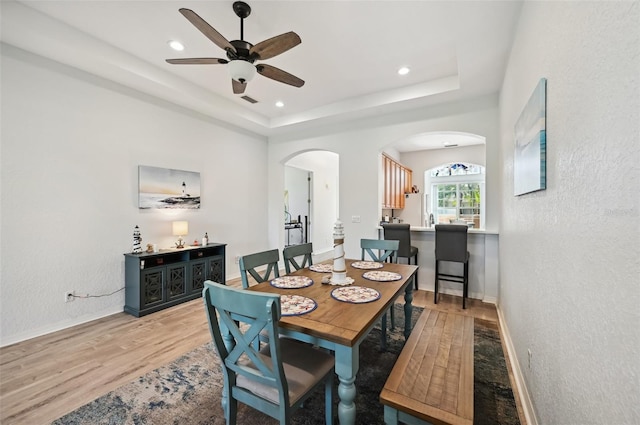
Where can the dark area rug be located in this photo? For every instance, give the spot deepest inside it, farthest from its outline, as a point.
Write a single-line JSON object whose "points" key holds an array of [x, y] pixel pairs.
{"points": [[493, 401], [187, 391]]}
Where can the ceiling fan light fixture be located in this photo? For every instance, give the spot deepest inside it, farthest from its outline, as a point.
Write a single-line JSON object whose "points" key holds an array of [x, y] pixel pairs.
{"points": [[241, 70], [176, 45]]}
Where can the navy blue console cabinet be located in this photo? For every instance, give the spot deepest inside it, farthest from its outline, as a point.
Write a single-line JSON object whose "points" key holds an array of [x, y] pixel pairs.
{"points": [[155, 281]]}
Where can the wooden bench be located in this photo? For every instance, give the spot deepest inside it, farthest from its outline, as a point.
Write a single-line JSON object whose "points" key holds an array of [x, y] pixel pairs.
{"points": [[432, 380]]}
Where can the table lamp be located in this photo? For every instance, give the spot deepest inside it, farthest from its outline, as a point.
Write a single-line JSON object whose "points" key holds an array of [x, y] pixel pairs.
{"points": [[180, 229]]}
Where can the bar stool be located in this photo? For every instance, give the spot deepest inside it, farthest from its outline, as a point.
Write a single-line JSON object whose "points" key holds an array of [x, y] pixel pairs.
{"points": [[451, 245], [401, 232]]}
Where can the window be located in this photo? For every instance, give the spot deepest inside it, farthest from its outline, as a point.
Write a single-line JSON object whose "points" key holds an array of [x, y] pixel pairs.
{"points": [[457, 191], [457, 169]]}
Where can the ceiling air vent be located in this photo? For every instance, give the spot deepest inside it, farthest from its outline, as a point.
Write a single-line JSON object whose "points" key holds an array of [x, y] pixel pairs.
{"points": [[249, 99]]}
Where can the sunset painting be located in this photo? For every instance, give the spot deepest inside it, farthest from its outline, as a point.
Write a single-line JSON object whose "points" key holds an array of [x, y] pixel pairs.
{"points": [[162, 188]]}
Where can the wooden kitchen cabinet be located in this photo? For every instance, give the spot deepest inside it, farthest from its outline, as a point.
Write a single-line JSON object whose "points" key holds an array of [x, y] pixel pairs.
{"points": [[397, 181], [408, 183]]}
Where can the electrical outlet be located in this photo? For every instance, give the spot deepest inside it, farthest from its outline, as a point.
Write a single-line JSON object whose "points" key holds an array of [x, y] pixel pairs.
{"points": [[68, 296], [355, 219], [529, 358]]}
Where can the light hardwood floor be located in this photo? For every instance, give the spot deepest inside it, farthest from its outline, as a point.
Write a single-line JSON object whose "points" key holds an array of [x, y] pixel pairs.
{"points": [[46, 377]]}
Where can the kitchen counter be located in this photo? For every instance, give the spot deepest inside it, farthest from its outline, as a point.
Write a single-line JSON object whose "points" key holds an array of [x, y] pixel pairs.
{"points": [[432, 229], [483, 262], [471, 230]]}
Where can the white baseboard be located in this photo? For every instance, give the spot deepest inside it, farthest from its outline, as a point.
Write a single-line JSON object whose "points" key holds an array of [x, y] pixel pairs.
{"points": [[490, 300], [458, 293], [525, 399]]}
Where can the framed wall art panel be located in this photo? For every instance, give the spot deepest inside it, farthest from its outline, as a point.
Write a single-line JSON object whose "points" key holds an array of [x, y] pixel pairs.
{"points": [[161, 188], [530, 154]]}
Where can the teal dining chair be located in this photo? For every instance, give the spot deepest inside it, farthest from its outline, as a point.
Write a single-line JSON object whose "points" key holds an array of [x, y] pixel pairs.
{"points": [[380, 250], [252, 265], [291, 253], [275, 380]]}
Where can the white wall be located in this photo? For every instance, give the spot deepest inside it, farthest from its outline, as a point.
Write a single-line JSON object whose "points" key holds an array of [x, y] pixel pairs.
{"points": [[569, 262], [359, 150], [71, 146]]}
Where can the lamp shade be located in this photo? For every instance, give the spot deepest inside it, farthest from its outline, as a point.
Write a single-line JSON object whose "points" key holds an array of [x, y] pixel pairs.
{"points": [[241, 70], [180, 228]]}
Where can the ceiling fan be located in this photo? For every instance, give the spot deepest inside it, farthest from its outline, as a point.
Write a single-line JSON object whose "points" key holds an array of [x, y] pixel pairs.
{"points": [[241, 54]]}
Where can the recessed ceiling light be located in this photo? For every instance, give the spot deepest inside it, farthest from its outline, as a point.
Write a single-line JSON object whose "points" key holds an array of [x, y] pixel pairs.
{"points": [[403, 71], [176, 45], [280, 104]]}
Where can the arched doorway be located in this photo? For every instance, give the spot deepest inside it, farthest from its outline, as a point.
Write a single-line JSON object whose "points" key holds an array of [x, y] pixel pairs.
{"points": [[427, 151]]}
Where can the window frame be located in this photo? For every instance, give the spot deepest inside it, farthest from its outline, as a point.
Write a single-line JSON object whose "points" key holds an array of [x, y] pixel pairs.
{"points": [[434, 182]]}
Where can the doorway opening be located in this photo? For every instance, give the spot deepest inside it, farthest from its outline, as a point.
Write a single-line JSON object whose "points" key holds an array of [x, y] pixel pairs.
{"points": [[311, 199]]}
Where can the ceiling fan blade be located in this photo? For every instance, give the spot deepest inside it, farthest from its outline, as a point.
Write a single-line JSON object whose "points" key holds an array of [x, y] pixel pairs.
{"points": [[207, 29], [238, 87], [279, 75], [274, 46], [198, 61]]}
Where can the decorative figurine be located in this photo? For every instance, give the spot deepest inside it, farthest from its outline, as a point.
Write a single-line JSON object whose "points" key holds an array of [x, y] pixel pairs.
{"points": [[205, 240], [339, 273], [137, 241]]}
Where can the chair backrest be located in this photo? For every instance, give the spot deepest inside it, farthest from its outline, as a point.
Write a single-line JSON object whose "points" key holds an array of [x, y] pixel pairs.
{"points": [[402, 233], [236, 319], [451, 242], [290, 253], [380, 250], [249, 263]]}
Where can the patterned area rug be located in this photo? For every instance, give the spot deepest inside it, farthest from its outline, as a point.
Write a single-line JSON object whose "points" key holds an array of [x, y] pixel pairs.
{"points": [[187, 391]]}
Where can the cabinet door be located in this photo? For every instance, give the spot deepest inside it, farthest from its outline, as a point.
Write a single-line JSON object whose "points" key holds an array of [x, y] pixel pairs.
{"points": [[386, 202], [198, 275], [397, 181], [176, 281], [391, 182], [215, 269], [402, 183], [152, 287], [408, 187], [397, 185]]}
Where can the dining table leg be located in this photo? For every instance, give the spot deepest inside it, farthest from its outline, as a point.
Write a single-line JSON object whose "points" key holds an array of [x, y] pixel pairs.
{"points": [[408, 308], [347, 365]]}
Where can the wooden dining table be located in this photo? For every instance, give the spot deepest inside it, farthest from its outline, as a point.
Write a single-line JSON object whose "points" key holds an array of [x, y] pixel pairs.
{"points": [[341, 326]]}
